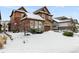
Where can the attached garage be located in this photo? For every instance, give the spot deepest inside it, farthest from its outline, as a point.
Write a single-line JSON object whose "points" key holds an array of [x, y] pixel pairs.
{"points": [[47, 28]]}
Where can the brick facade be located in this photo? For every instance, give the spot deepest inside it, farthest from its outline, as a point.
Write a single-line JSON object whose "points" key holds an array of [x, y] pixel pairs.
{"points": [[25, 24]]}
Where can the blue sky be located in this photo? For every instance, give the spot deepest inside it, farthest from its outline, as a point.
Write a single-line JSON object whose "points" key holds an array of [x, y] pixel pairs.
{"points": [[70, 11]]}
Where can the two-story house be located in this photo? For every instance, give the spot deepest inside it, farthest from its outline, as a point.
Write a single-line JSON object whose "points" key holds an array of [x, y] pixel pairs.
{"points": [[22, 20]]}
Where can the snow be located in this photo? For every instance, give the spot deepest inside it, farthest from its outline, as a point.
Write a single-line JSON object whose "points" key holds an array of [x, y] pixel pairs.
{"points": [[57, 20], [48, 42], [20, 10], [33, 16]]}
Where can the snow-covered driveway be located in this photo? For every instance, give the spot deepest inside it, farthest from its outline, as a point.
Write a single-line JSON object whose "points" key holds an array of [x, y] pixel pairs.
{"points": [[47, 42]]}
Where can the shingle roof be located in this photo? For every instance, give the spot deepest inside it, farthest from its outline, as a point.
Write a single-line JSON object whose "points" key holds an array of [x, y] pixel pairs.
{"points": [[61, 18], [20, 11], [33, 16], [66, 20], [29, 15], [22, 8], [41, 9]]}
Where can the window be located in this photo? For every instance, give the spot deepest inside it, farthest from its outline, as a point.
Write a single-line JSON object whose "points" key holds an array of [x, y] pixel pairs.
{"points": [[31, 24], [49, 17], [40, 24], [43, 15], [36, 24]]}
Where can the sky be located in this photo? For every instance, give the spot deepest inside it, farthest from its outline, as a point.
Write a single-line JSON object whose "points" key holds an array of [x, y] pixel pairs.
{"points": [[56, 11]]}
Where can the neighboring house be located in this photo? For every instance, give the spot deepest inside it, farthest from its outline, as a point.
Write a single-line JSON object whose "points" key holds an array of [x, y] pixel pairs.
{"points": [[21, 20], [65, 23], [55, 25], [77, 26], [45, 14]]}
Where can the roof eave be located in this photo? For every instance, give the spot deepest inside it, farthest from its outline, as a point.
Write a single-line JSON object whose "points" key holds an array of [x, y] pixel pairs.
{"points": [[33, 19]]}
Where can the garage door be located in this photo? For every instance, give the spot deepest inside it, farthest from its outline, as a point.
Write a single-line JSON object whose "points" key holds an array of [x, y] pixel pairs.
{"points": [[47, 28]]}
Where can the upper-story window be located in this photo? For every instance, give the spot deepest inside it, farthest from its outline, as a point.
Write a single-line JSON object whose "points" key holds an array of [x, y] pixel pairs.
{"points": [[49, 17], [22, 15], [43, 15]]}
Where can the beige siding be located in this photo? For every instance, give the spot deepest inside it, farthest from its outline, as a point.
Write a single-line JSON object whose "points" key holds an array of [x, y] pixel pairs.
{"points": [[48, 23]]}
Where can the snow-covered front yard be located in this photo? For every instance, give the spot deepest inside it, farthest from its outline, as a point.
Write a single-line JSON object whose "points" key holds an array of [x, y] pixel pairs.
{"points": [[47, 42]]}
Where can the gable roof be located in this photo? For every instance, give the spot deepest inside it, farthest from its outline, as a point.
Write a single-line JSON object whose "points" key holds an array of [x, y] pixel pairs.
{"points": [[62, 18], [12, 13], [32, 16], [16, 11], [22, 8], [42, 10], [66, 20]]}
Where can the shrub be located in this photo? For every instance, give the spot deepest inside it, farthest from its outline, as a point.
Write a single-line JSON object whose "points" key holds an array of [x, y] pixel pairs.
{"points": [[14, 31], [1, 31], [68, 34], [32, 30], [36, 31]]}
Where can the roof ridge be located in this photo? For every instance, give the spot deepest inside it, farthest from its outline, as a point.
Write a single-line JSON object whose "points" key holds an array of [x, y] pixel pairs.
{"points": [[23, 8], [41, 9]]}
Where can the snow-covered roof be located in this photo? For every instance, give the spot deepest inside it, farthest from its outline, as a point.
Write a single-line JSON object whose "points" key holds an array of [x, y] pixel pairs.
{"points": [[19, 10], [30, 15], [42, 10], [33, 16], [22, 8], [61, 20]]}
